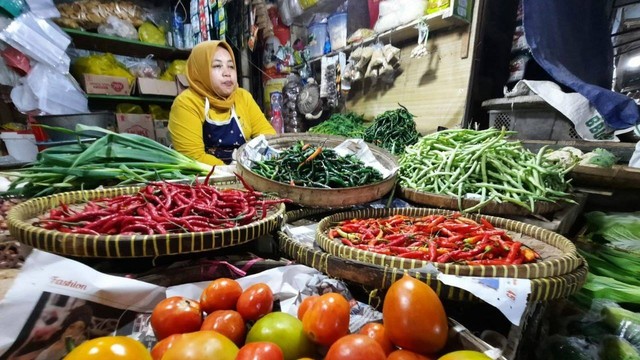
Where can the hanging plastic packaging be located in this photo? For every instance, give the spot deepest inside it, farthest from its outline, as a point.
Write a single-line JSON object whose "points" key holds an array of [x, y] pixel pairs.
{"points": [[178, 25]]}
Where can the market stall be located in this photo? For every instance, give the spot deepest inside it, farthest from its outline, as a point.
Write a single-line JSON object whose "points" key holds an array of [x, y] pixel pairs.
{"points": [[385, 219]]}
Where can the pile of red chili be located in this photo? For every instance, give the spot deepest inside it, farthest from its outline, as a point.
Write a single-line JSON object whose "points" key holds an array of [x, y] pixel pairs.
{"points": [[163, 208], [436, 238]]}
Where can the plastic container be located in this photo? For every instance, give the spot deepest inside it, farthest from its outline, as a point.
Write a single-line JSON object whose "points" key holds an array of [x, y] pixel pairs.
{"points": [[318, 36], [21, 147], [337, 28]]}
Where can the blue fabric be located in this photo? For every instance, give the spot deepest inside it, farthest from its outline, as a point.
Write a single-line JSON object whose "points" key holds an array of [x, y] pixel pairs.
{"points": [[221, 139], [571, 40]]}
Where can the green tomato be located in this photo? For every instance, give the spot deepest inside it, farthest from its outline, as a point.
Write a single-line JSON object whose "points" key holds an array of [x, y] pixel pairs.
{"points": [[284, 330]]}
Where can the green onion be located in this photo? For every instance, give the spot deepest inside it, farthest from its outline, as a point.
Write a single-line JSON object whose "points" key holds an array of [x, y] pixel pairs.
{"points": [[114, 159]]}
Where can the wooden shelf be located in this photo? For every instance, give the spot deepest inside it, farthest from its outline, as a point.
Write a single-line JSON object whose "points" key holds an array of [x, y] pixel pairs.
{"points": [[436, 21], [120, 46]]}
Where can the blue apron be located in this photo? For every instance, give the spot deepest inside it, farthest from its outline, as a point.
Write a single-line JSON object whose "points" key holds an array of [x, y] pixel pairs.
{"points": [[221, 138]]}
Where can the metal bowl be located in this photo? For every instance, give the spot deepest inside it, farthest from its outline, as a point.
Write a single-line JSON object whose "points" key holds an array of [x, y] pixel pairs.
{"points": [[103, 119]]}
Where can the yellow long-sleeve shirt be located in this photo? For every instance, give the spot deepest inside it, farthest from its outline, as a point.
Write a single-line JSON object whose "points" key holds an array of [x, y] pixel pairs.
{"points": [[187, 118]]}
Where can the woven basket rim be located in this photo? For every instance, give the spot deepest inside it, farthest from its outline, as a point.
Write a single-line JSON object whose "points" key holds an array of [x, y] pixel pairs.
{"points": [[35, 236], [492, 207], [542, 289], [566, 263], [321, 197]]}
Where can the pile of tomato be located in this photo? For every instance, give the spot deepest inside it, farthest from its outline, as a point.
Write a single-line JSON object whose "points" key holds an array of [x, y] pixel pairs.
{"points": [[232, 323]]}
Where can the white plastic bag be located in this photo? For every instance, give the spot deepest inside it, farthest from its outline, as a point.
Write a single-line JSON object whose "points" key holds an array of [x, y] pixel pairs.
{"points": [[118, 27], [50, 92], [40, 40], [44, 9]]}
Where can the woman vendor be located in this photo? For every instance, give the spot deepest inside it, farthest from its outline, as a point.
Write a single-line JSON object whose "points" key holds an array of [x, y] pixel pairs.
{"points": [[213, 117]]}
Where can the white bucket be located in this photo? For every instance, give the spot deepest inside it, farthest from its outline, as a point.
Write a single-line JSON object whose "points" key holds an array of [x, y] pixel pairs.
{"points": [[21, 147]]}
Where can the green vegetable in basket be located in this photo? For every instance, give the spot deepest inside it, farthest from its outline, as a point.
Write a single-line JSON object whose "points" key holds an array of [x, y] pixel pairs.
{"points": [[615, 348], [602, 287], [599, 157], [393, 130], [349, 125], [621, 230], [114, 159], [622, 322]]}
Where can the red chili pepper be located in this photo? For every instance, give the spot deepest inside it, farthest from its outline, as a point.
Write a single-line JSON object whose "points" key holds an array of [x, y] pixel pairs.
{"points": [[486, 224], [433, 251], [414, 255], [515, 251]]}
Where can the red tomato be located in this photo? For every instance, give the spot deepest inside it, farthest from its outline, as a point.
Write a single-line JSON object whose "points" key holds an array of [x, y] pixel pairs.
{"points": [[414, 317], [202, 345], [175, 315], [255, 302], [110, 347], [355, 347], [328, 319], [306, 304], [228, 323], [220, 294], [377, 332], [407, 355], [261, 350], [163, 345]]}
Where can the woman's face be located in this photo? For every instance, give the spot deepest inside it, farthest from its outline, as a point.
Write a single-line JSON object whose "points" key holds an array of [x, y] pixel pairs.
{"points": [[224, 78]]}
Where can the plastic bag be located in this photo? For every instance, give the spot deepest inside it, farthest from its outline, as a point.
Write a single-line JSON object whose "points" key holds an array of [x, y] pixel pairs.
{"points": [[151, 34], [118, 27], [101, 64], [176, 67], [44, 9], [90, 14], [126, 108], [158, 113], [142, 68]]}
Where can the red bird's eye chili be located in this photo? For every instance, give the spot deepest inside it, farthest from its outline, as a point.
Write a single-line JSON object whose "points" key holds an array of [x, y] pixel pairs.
{"points": [[437, 238]]}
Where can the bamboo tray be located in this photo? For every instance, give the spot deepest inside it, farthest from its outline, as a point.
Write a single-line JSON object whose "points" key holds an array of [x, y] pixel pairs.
{"points": [[492, 207], [317, 197], [21, 217], [559, 255], [381, 277]]}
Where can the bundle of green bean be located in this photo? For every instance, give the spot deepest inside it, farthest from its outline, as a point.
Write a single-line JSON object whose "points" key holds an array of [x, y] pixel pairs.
{"points": [[458, 162], [350, 125], [314, 166], [393, 130]]}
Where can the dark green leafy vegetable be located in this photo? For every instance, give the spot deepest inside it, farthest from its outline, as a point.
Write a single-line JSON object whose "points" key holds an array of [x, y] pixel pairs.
{"points": [[314, 166], [350, 125], [393, 130]]}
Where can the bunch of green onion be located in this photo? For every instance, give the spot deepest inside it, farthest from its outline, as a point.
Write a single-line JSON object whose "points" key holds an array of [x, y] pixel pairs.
{"points": [[112, 160]]}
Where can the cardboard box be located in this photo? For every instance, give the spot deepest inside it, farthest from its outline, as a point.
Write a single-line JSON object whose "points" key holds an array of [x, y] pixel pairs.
{"points": [[141, 124], [106, 85], [162, 132], [147, 86], [181, 82]]}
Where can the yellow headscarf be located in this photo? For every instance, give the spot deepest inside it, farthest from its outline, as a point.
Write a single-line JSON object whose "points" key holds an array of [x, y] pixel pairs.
{"points": [[198, 73]]}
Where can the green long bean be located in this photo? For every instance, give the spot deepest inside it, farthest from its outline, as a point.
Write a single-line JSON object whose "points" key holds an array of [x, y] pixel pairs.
{"points": [[484, 165]]}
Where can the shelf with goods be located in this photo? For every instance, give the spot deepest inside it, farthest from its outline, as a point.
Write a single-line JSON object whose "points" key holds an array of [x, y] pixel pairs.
{"points": [[446, 18], [120, 46]]}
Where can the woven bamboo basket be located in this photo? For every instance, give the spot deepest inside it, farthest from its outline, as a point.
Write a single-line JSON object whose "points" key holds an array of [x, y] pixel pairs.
{"points": [[21, 217], [491, 208], [559, 254], [381, 276], [317, 197]]}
